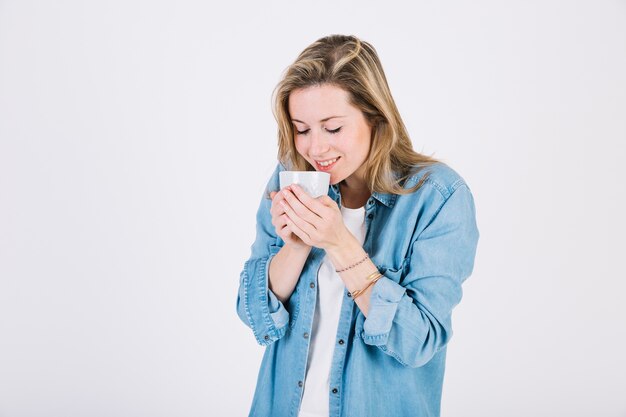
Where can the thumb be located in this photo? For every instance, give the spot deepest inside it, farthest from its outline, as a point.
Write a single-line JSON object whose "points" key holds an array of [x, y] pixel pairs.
{"points": [[327, 201], [272, 194]]}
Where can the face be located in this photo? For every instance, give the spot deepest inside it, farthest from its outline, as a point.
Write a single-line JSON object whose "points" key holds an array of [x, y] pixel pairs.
{"points": [[330, 133]]}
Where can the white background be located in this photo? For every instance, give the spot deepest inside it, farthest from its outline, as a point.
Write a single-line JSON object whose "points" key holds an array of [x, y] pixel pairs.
{"points": [[135, 141]]}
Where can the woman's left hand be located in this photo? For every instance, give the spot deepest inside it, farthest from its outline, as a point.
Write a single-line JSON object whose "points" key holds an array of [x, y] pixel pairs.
{"points": [[317, 221]]}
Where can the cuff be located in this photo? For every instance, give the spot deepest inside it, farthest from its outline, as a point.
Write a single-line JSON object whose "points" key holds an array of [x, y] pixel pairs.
{"points": [[277, 311], [266, 314]]}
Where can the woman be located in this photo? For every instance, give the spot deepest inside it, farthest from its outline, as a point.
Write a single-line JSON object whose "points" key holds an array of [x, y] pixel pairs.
{"points": [[352, 293]]}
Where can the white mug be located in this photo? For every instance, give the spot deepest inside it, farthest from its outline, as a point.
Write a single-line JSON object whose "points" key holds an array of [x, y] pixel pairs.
{"points": [[315, 183]]}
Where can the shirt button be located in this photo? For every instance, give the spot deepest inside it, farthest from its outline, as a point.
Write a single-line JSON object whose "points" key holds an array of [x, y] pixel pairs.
{"points": [[370, 216], [341, 341], [300, 384], [370, 202], [335, 390], [312, 285], [266, 337], [306, 335]]}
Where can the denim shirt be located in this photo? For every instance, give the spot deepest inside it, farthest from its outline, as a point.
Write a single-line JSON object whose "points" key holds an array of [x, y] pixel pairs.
{"points": [[392, 362]]}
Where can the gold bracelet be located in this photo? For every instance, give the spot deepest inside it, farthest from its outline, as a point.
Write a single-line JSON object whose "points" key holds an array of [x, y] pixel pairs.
{"points": [[374, 278], [358, 293], [372, 275]]}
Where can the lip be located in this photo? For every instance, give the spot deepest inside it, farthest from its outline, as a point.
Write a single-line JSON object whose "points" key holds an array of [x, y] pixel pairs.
{"points": [[329, 167]]}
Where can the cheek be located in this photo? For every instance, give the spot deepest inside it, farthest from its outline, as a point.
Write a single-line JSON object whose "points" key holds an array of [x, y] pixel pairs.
{"points": [[300, 147], [366, 147]]}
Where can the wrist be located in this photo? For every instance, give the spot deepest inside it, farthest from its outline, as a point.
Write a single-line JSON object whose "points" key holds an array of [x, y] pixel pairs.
{"points": [[298, 248], [345, 243], [350, 252]]}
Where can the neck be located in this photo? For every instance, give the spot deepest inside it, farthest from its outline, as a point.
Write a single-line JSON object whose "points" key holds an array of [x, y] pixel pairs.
{"points": [[353, 196]]}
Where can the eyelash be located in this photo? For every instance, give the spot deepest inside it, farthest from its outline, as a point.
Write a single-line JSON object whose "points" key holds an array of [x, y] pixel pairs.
{"points": [[332, 132]]}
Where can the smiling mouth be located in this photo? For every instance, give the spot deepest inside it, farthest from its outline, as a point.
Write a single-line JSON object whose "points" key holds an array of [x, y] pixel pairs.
{"points": [[326, 165]]}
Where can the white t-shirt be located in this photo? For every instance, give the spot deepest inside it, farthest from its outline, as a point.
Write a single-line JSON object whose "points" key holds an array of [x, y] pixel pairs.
{"points": [[330, 290]]}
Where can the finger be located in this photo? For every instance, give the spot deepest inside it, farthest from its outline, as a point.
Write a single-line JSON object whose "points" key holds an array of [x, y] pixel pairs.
{"points": [[298, 232], [278, 221], [283, 229], [277, 196], [299, 207], [301, 223], [277, 209], [327, 201], [313, 204]]}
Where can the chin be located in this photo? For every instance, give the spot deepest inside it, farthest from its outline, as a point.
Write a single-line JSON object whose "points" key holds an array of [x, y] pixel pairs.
{"points": [[334, 180]]}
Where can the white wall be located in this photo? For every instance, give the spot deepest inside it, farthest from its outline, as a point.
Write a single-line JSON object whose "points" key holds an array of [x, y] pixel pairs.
{"points": [[136, 138]]}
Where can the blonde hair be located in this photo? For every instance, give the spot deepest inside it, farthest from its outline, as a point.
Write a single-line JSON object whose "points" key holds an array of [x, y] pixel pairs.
{"points": [[352, 65]]}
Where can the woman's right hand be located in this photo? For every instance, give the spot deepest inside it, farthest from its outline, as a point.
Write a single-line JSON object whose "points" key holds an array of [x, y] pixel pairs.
{"points": [[279, 220]]}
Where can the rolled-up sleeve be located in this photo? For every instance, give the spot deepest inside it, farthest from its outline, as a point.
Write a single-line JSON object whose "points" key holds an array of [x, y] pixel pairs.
{"points": [[411, 320], [257, 306]]}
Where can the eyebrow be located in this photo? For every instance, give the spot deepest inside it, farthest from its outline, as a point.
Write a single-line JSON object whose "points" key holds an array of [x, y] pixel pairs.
{"points": [[323, 120]]}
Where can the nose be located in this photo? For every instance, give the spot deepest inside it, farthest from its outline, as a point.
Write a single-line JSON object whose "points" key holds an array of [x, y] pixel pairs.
{"points": [[319, 144]]}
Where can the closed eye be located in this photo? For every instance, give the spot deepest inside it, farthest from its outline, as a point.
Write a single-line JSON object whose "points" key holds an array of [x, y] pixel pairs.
{"points": [[329, 131]]}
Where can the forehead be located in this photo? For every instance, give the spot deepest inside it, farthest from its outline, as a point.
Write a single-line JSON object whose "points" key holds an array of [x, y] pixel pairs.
{"points": [[312, 104]]}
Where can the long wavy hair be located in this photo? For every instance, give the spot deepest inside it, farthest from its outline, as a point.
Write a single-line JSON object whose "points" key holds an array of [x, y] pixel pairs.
{"points": [[352, 65]]}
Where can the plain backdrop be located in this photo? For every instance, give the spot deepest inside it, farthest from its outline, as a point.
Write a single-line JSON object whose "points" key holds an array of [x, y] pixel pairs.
{"points": [[135, 141]]}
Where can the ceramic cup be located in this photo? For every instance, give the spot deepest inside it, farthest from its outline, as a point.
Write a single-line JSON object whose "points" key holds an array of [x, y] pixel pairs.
{"points": [[313, 182]]}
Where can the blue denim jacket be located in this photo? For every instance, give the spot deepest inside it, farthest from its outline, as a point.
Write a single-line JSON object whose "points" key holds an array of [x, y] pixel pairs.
{"points": [[392, 363]]}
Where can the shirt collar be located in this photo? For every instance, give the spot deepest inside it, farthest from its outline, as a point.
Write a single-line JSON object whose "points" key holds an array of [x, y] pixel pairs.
{"points": [[387, 199]]}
